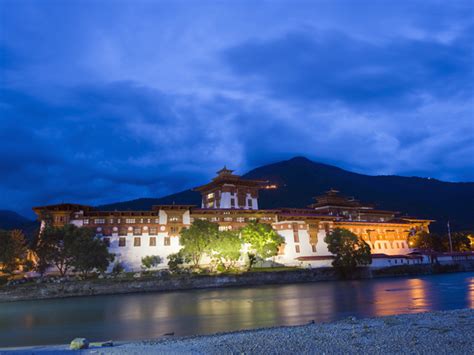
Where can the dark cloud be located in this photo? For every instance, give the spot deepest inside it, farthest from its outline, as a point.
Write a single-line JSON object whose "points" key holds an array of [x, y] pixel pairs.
{"points": [[101, 143], [337, 67], [106, 101]]}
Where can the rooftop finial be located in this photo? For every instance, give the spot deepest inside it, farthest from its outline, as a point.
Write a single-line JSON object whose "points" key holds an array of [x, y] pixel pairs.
{"points": [[225, 171]]}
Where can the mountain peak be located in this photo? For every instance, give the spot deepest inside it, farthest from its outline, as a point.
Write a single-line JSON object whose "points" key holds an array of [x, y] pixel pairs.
{"points": [[301, 159], [299, 179]]}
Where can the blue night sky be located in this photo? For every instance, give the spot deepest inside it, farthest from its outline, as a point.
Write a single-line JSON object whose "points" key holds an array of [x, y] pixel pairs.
{"points": [[104, 101]]}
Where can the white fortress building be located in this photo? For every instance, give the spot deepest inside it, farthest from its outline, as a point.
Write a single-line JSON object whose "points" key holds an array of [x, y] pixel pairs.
{"points": [[232, 202]]}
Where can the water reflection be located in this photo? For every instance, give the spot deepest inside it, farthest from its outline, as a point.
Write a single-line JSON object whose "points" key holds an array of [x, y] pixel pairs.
{"points": [[470, 292], [151, 315]]}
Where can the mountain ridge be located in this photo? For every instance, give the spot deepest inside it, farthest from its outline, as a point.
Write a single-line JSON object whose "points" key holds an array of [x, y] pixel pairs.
{"points": [[11, 219], [300, 179]]}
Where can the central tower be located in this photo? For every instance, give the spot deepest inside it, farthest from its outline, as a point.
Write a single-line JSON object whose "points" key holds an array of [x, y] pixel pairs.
{"points": [[227, 190]]}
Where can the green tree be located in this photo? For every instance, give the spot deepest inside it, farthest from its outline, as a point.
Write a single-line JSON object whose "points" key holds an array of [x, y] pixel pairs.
{"points": [[55, 248], [460, 241], [262, 239], [349, 250], [226, 248], [89, 252], [176, 261], [150, 261], [70, 247], [12, 250], [428, 242], [197, 239]]}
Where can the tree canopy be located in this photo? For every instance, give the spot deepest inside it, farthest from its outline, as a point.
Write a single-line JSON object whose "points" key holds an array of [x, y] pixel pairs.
{"points": [[262, 239], [89, 252], [197, 239], [460, 241], [150, 261], [433, 242], [55, 247], [176, 260], [70, 247], [12, 250], [226, 248], [349, 250]]}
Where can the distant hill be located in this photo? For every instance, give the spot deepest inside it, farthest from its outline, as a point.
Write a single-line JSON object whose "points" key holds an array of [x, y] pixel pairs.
{"points": [[300, 179], [12, 220]]}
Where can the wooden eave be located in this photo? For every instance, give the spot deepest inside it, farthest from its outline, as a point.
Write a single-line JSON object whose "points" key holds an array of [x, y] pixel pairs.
{"points": [[62, 207]]}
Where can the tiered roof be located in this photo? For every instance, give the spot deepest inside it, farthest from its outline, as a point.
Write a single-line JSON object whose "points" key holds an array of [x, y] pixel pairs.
{"points": [[225, 176], [333, 198]]}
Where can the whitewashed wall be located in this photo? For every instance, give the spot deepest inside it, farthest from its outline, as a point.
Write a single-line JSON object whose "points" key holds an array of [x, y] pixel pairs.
{"points": [[131, 256]]}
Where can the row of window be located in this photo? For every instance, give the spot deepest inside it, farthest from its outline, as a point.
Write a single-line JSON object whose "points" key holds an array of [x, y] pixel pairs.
{"points": [[137, 230], [236, 219], [130, 220], [60, 219], [173, 219], [137, 241], [313, 248], [373, 232], [402, 261], [233, 202], [386, 245]]}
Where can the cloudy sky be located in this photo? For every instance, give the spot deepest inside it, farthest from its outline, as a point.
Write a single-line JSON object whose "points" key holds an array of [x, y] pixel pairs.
{"points": [[104, 101]]}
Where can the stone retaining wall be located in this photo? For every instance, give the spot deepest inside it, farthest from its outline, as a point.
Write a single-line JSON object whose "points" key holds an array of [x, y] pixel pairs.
{"points": [[185, 282]]}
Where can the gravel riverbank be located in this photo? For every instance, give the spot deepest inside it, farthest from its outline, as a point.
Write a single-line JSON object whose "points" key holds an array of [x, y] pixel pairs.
{"points": [[424, 333]]}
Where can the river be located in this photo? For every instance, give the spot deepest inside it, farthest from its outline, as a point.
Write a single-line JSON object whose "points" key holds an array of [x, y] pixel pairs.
{"points": [[150, 315]]}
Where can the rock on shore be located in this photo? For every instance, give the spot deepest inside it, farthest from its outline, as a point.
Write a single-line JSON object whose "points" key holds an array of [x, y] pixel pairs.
{"points": [[448, 332]]}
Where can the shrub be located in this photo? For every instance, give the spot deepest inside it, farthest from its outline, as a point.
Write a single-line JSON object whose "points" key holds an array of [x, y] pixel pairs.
{"points": [[350, 251], [118, 268], [151, 261], [176, 261]]}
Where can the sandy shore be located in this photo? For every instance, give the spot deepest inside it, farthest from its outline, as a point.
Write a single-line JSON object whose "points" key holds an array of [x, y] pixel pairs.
{"points": [[424, 333]]}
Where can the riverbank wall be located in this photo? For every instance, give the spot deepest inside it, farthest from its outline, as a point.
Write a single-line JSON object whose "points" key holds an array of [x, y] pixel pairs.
{"points": [[149, 283]]}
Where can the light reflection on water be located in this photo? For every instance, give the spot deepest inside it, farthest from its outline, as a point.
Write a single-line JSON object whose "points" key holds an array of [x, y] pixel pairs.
{"points": [[144, 316]]}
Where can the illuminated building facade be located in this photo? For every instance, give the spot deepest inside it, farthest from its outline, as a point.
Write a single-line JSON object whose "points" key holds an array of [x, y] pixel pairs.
{"points": [[232, 202]]}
